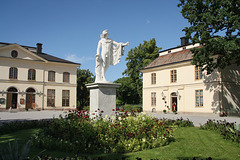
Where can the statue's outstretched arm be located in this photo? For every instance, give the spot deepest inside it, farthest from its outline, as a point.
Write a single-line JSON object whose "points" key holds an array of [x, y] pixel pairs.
{"points": [[123, 44]]}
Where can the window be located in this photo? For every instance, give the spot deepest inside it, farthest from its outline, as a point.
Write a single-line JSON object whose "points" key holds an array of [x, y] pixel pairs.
{"points": [[14, 54], [66, 77], [13, 72], [51, 76], [51, 97], [65, 98], [153, 77], [153, 98], [198, 72], [199, 98], [173, 76], [32, 74]]}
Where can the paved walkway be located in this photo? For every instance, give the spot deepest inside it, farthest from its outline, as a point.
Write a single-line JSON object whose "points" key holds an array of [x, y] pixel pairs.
{"points": [[197, 119]]}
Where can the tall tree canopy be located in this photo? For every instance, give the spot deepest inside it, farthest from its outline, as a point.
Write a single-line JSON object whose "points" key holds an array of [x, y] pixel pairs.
{"points": [[215, 24], [126, 93], [83, 77], [137, 59]]}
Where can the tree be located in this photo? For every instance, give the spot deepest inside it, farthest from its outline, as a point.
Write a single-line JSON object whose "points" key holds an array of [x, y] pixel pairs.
{"points": [[137, 59], [215, 25], [126, 93], [83, 77]]}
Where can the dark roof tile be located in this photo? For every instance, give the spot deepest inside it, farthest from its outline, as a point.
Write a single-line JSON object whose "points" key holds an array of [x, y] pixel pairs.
{"points": [[171, 58]]}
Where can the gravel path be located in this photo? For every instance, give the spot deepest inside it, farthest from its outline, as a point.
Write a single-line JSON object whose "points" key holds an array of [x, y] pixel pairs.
{"points": [[197, 119]]}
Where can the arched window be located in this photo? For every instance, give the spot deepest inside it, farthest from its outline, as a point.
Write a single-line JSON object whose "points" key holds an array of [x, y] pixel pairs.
{"points": [[32, 74], [12, 89], [51, 76], [30, 90], [66, 77], [13, 72]]}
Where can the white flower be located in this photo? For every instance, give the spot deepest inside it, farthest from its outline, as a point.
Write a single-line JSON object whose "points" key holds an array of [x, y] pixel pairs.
{"points": [[119, 118], [144, 139]]}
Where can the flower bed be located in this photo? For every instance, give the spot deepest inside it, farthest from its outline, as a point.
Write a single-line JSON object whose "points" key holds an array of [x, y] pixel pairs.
{"points": [[123, 132]]}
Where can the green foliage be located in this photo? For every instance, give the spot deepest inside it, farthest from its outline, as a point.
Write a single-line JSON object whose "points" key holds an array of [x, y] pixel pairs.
{"points": [[215, 25], [11, 152], [83, 77], [131, 108], [126, 93], [137, 59], [124, 132], [180, 122], [14, 126], [228, 130]]}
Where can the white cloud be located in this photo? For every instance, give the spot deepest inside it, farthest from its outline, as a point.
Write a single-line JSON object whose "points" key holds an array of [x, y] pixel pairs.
{"points": [[75, 58]]}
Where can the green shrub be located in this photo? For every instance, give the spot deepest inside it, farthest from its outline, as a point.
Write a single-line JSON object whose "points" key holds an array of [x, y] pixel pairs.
{"points": [[11, 152], [13, 126], [228, 130], [134, 108], [180, 122]]}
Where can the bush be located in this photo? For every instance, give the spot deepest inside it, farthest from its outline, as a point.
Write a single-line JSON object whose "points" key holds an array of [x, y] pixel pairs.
{"points": [[13, 126], [134, 108], [180, 122], [228, 130], [123, 133]]}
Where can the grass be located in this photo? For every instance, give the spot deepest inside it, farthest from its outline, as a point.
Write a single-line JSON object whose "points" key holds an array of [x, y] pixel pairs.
{"points": [[189, 143]]}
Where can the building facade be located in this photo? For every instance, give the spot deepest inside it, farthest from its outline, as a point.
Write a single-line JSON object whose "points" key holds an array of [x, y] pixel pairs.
{"points": [[171, 82], [31, 79]]}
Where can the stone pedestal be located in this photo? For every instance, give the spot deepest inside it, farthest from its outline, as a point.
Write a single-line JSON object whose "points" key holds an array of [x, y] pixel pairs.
{"points": [[102, 98]]}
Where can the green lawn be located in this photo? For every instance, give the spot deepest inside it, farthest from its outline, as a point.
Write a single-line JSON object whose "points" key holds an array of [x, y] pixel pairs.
{"points": [[190, 142]]}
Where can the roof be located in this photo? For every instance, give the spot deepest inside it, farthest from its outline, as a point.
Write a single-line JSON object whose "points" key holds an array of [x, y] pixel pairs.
{"points": [[54, 59], [171, 58], [42, 55]]}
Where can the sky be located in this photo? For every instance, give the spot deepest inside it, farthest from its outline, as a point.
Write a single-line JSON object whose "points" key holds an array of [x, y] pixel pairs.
{"points": [[70, 29]]}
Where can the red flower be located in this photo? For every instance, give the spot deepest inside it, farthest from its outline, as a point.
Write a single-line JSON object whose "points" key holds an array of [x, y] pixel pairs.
{"points": [[113, 109], [93, 113], [102, 111]]}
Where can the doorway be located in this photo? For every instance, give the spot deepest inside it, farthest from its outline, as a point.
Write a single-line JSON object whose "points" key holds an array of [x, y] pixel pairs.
{"points": [[12, 97], [174, 102], [30, 98]]}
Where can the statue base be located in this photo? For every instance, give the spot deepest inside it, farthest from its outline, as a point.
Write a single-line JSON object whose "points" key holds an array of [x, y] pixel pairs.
{"points": [[102, 98]]}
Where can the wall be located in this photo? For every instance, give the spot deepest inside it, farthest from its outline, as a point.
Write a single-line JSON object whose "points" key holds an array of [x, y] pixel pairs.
{"points": [[185, 87], [26, 61]]}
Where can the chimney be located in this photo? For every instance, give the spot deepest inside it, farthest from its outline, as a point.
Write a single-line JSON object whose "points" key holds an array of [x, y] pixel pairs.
{"points": [[184, 41], [39, 48]]}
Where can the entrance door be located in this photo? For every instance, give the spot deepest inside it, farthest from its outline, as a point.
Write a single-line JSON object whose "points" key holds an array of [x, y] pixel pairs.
{"points": [[30, 98], [12, 96], [174, 101]]}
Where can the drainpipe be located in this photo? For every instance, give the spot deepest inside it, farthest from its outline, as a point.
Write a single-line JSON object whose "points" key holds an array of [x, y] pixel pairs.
{"points": [[43, 88]]}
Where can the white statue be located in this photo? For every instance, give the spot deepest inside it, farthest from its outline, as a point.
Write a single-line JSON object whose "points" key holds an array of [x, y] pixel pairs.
{"points": [[110, 55]]}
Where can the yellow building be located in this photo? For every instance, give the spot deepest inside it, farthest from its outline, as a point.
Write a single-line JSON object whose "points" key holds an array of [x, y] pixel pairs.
{"points": [[171, 82], [35, 80]]}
